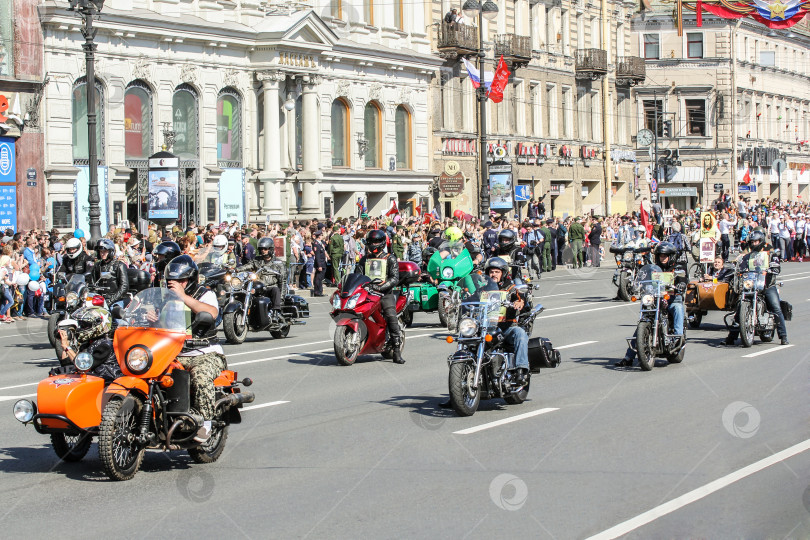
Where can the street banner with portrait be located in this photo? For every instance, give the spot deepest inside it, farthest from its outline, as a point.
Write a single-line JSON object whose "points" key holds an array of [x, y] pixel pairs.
{"points": [[707, 250], [708, 225], [500, 192], [164, 188]]}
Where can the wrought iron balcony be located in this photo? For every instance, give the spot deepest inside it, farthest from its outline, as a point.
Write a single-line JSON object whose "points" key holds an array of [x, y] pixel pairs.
{"points": [[516, 50], [457, 40], [591, 63], [630, 70]]}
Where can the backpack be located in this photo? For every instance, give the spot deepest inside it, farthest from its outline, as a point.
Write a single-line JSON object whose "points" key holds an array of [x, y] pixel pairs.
{"points": [[678, 241]]}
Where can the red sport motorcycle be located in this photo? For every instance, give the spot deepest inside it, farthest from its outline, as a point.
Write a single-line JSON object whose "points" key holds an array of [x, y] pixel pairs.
{"points": [[357, 312]]}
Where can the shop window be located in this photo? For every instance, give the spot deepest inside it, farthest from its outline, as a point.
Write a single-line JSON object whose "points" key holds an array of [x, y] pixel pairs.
{"points": [[185, 120], [403, 136], [340, 133], [6, 39], [372, 130], [137, 121], [81, 149]]}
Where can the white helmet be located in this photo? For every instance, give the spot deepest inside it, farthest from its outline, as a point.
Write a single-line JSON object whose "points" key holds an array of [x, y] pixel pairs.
{"points": [[220, 244], [73, 247], [641, 230]]}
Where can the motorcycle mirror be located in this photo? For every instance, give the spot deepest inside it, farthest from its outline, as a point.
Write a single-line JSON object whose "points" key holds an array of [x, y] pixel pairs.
{"points": [[247, 381], [538, 309], [680, 273], [61, 276], [117, 312]]}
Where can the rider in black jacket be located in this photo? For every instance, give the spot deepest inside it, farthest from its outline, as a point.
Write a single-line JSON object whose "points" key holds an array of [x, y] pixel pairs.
{"points": [[375, 254], [109, 274], [75, 260], [274, 276], [509, 249]]}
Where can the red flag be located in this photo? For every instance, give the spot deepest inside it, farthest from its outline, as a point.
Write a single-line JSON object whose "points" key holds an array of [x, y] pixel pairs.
{"points": [[645, 221], [393, 211], [803, 168], [699, 9], [499, 81], [418, 210], [746, 178]]}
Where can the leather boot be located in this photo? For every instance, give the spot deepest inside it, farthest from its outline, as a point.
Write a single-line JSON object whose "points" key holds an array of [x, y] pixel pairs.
{"points": [[396, 343]]}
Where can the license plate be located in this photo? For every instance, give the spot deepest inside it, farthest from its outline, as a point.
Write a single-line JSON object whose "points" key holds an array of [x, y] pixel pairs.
{"points": [[424, 298], [411, 294]]}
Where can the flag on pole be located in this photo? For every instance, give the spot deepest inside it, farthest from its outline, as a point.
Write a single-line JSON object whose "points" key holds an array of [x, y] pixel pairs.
{"points": [[393, 211], [746, 178], [475, 75], [645, 221], [499, 81]]}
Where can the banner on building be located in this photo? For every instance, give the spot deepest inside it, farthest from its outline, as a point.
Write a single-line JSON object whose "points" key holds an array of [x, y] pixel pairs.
{"points": [[232, 196], [500, 192], [8, 185], [81, 195], [776, 14], [164, 188]]}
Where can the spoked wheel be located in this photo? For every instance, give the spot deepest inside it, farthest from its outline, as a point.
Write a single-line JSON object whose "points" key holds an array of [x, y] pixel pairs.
{"points": [[347, 345], [406, 318], [71, 447], [644, 345], [235, 331], [519, 397], [210, 451], [463, 397], [696, 271], [118, 448], [281, 333], [695, 318], [53, 329], [747, 324], [442, 309]]}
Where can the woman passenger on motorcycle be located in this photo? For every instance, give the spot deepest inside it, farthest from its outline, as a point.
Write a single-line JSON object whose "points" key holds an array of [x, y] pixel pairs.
{"points": [[516, 338]]}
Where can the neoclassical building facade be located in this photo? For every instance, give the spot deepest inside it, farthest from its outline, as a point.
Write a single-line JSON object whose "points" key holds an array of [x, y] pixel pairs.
{"points": [[275, 113]]}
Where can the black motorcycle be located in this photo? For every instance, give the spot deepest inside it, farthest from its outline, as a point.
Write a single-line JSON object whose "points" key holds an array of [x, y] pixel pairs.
{"points": [[655, 333], [216, 277], [481, 368], [249, 309], [629, 260]]}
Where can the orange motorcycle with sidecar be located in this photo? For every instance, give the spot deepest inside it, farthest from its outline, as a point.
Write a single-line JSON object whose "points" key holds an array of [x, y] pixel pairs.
{"points": [[149, 406]]}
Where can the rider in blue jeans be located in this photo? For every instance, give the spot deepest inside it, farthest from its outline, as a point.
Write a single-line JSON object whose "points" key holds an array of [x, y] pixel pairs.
{"points": [[665, 255]]}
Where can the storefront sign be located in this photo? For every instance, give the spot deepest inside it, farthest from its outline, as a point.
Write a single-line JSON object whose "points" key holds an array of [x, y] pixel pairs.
{"points": [[8, 185], [566, 155], [760, 156], [557, 189], [458, 147], [678, 192], [451, 185], [500, 167], [232, 196], [622, 155]]}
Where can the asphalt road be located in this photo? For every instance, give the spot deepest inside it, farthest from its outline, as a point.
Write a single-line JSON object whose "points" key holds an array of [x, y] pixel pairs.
{"points": [[715, 447]]}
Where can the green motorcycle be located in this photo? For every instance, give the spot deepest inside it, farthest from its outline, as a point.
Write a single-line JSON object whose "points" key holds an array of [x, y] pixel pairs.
{"points": [[451, 267]]}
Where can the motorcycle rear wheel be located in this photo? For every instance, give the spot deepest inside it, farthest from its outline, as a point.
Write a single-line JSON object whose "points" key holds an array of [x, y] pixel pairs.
{"points": [[747, 324], [282, 333], [624, 287], [120, 455], [346, 352], [442, 312], [406, 317], [235, 333], [519, 397], [71, 447], [463, 399], [212, 449], [644, 345]]}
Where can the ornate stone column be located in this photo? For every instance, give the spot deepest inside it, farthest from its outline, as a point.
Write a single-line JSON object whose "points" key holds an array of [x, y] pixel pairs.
{"points": [[311, 173], [271, 176]]}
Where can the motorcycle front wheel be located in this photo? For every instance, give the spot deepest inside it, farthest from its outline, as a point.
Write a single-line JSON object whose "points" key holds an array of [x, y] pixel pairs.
{"points": [[747, 324], [624, 287], [347, 345], [120, 454], [519, 397], [442, 309], [210, 451], [463, 398], [53, 330], [645, 346], [71, 447], [235, 332]]}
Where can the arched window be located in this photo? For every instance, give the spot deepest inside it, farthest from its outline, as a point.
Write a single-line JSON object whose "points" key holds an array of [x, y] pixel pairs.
{"points": [[340, 133], [185, 122], [229, 128], [81, 150], [402, 120], [137, 121], [373, 134]]}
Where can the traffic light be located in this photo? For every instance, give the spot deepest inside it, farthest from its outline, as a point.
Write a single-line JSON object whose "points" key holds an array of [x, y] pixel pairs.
{"points": [[668, 129]]}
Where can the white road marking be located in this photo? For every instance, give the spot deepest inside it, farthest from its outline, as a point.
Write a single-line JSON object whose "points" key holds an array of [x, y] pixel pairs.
{"points": [[19, 385], [575, 345], [9, 398], [262, 405], [766, 351], [278, 348], [794, 279], [582, 311], [541, 296], [509, 420], [19, 335], [699, 493]]}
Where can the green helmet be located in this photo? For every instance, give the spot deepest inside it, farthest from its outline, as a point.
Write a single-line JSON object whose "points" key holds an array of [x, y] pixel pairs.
{"points": [[453, 234]]}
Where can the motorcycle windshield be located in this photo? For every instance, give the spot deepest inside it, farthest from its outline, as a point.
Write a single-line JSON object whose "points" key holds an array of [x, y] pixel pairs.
{"points": [[75, 281], [158, 308], [484, 303], [451, 261], [652, 279], [351, 283], [758, 262]]}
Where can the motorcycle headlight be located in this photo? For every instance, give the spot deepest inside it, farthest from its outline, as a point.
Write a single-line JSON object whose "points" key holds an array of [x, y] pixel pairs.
{"points": [[83, 361], [24, 410], [447, 273], [138, 359], [647, 300], [253, 277], [236, 283], [336, 301], [201, 279], [748, 284], [628, 256], [72, 299], [351, 303], [467, 327]]}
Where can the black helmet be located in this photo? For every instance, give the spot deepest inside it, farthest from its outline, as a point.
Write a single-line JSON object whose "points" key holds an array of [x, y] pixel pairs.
{"points": [[268, 244], [375, 242], [497, 263], [106, 243], [756, 240], [665, 249], [184, 267], [164, 253], [506, 239], [434, 233]]}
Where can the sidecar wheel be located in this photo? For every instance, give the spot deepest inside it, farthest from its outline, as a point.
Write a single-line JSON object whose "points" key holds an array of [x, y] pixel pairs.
{"points": [[212, 449], [71, 447], [119, 453], [519, 397], [282, 333], [407, 318]]}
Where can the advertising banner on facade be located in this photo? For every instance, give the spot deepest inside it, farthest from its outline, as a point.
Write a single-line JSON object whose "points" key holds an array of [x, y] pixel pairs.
{"points": [[164, 189], [8, 185], [232, 196], [500, 192], [81, 194]]}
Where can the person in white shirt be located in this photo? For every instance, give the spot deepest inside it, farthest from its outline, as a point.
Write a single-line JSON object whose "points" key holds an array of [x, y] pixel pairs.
{"points": [[800, 243], [724, 225]]}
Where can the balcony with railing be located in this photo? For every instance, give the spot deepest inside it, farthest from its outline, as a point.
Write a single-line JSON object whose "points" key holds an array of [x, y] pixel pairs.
{"points": [[457, 40], [591, 63], [630, 70], [516, 50]]}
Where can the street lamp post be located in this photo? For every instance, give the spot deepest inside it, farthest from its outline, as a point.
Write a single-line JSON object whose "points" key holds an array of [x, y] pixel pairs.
{"points": [[87, 9], [489, 11]]}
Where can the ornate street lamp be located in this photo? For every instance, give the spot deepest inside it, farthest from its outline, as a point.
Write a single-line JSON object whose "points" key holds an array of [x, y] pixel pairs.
{"points": [[489, 11]]}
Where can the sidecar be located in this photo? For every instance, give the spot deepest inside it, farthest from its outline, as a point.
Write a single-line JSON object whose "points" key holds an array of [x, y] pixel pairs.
{"points": [[705, 296]]}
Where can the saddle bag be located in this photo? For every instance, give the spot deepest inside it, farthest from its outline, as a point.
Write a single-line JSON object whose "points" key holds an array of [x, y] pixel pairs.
{"points": [[787, 309], [542, 354]]}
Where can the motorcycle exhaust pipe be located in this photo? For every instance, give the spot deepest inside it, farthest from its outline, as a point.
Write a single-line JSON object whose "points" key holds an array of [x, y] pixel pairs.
{"points": [[236, 399]]}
